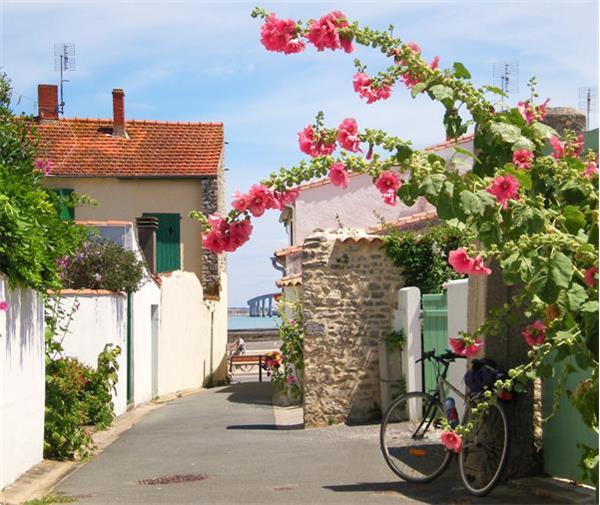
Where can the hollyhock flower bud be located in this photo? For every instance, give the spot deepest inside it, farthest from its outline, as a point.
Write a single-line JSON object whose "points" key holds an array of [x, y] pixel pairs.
{"points": [[504, 188], [279, 35], [339, 175], [452, 441], [589, 276], [347, 135], [522, 158], [388, 180], [535, 334]]}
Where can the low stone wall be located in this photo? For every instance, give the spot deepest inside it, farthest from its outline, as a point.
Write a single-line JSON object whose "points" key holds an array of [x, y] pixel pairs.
{"points": [[349, 298]]}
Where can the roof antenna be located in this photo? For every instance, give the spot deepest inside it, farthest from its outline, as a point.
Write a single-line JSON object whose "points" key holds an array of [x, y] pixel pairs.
{"points": [[64, 59], [506, 77], [588, 101]]}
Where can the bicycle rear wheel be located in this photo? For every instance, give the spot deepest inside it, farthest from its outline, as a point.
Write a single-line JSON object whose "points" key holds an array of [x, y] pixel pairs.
{"points": [[484, 450], [410, 438]]}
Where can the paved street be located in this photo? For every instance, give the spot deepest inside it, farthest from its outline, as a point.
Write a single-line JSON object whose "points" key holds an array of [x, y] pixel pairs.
{"points": [[227, 438]]}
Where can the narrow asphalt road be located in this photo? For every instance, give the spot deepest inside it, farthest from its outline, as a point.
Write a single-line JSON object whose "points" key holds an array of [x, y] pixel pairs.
{"points": [[226, 438]]}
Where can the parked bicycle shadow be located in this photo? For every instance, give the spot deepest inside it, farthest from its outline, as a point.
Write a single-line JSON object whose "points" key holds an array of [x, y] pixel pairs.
{"points": [[447, 489]]}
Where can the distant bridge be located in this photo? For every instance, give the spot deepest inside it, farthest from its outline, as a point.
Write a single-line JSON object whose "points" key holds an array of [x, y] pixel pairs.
{"points": [[262, 306]]}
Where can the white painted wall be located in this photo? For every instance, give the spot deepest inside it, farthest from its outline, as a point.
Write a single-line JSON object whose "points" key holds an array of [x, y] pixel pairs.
{"points": [[101, 319], [359, 206], [22, 382], [458, 301]]}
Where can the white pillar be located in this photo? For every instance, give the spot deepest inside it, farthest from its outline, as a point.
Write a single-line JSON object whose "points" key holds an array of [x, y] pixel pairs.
{"points": [[458, 301]]}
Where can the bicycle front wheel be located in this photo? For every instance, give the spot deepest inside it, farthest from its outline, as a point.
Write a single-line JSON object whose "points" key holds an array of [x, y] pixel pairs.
{"points": [[410, 438], [484, 450]]}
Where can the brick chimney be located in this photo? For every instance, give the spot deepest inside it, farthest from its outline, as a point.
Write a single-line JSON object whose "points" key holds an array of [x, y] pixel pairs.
{"points": [[48, 101], [119, 113], [146, 228]]}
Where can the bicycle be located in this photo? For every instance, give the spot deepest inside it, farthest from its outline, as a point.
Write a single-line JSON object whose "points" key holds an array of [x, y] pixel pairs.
{"points": [[410, 435]]}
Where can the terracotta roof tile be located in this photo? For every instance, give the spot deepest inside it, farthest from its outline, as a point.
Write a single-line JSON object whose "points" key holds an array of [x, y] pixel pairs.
{"points": [[86, 148], [292, 280], [287, 250], [406, 222]]}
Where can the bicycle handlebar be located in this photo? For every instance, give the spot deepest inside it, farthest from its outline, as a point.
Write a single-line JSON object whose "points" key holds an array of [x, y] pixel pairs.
{"points": [[443, 358]]}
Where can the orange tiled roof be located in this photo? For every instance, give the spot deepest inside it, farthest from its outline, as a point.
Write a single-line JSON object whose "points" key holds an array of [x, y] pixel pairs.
{"points": [[292, 280], [86, 148], [287, 250], [405, 222]]}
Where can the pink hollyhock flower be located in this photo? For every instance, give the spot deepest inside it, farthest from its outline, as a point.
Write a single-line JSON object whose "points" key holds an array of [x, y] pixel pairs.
{"points": [[284, 198], [388, 180], [240, 231], [313, 146], [464, 264], [291, 380], [527, 111], [589, 276], [578, 145], [590, 170], [473, 349], [279, 35], [347, 136], [4, 305], [213, 241], [460, 261], [363, 85], [409, 81], [535, 334], [416, 48], [391, 198], [452, 441], [397, 53], [457, 345], [435, 63], [324, 33], [43, 166], [558, 146], [522, 158], [478, 268], [339, 175], [260, 199], [504, 188], [240, 202], [542, 110]]}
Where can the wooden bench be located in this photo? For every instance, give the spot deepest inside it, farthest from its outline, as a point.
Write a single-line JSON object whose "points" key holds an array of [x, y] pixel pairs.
{"points": [[247, 360]]}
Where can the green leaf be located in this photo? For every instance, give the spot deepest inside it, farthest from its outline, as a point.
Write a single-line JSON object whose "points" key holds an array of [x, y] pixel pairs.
{"points": [[524, 143], [471, 204], [507, 132], [541, 131], [494, 89], [523, 176], [460, 150], [545, 285], [577, 297], [574, 218], [460, 71], [418, 88], [442, 92], [561, 269], [591, 306]]}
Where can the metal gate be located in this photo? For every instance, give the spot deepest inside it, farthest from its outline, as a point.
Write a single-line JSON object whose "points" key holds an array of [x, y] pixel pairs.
{"points": [[435, 332]]}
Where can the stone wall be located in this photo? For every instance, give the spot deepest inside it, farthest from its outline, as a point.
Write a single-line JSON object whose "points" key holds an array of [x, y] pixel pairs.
{"points": [[213, 200], [350, 293]]}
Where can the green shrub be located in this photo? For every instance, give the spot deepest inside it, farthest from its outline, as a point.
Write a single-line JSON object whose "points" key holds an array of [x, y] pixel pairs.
{"points": [[102, 265], [32, 235], [424, 257]]}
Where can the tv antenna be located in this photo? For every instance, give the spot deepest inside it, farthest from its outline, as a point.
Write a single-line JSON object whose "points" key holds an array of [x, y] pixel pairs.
{"points": [[506, 77], [588, 102], [64, 60]]}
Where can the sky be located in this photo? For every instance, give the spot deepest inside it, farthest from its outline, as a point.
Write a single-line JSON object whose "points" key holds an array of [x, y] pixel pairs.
{"points": [[202, 61]]}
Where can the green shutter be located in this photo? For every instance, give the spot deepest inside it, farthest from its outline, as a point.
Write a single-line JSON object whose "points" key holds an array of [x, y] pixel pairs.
{"points": [[168, 248], [435, 333], [67, 213]]}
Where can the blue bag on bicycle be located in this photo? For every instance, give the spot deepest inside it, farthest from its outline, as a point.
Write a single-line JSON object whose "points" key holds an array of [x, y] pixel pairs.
{"points": [[482, 375]]}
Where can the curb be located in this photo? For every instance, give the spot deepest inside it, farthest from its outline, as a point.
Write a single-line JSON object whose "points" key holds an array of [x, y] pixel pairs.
{"points": [[559, 490], [39, 480]]}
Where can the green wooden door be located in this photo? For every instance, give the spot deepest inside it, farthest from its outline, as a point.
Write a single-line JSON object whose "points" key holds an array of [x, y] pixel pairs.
{"points": [[168, 242], [435, 333]]}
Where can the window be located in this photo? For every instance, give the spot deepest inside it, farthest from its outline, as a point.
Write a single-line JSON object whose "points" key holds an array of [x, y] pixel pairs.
{"points": [[67, 213], [168, 243]]}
